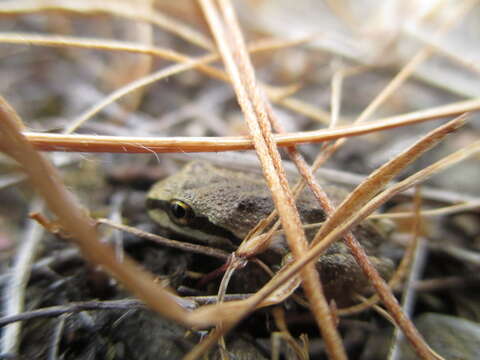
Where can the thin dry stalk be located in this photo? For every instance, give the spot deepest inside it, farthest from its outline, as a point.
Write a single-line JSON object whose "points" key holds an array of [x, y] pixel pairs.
{"points": [[226, 309], [422, 175], [131, 87], [463, 60], [359, 254], [354, 202], [396, 278], [56, 338], [142, 65], [304, 108], [366, 210], [124, 9], [14, 291], [350, 240], [382, 176], [418, 252], [291, 220], [276, 94], [200, 63], [182, 245], [336, 95], [400, 78], [387, 171], [412, 248], [73, 219], [242, 76], [186, 63], [279, 318], [128, 144], [446, 210], [417, 59], [252, 247]]}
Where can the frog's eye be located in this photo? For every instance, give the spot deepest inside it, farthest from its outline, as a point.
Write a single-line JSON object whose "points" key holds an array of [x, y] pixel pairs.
{"points": [[180, 212]]}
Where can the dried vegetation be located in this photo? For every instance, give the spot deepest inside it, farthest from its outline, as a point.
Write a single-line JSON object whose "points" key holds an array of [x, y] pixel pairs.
{"points": [[86, 83]]}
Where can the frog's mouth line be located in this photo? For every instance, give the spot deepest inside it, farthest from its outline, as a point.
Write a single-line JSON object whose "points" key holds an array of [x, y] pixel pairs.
{"points": [[195, 224]]}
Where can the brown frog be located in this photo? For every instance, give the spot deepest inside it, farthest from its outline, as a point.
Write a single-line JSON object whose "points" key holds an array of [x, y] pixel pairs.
{"points": [[218, 207]]}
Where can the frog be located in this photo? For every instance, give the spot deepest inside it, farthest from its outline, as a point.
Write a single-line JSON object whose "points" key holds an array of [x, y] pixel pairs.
{"points": [[218, 207]]}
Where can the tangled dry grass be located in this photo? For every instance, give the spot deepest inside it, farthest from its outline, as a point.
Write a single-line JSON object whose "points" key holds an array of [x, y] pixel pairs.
{"points": [[118, 45]]}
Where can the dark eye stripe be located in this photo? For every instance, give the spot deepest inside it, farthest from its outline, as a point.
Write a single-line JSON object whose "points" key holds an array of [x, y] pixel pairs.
{"points": [[200, 223], [153, 204]]}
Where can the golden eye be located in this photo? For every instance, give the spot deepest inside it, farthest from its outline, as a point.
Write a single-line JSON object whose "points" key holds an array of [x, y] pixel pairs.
{"points": [[180, 212]]}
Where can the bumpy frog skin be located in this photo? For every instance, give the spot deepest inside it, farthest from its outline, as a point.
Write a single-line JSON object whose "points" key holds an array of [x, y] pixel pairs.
{"points": [[218, 207]]}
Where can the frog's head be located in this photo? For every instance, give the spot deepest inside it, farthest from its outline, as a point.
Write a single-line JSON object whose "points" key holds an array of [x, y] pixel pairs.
{"points": [[211, 205]]}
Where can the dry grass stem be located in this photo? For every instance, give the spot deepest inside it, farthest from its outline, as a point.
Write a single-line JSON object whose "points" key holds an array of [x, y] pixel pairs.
{"points": [[181, 245], [397, 276], [415, 61], [14, 291], [422, 175], [119, 8], [382, 176], [279, 318], [73, 219], [290, 219], [413, 263], [376, 181], [185, 63], [354, 246], [447, 210], [398, 80], [127, 144], [369, 208], [373, 184], [364, 212], [231, 46], [189, 63]]}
